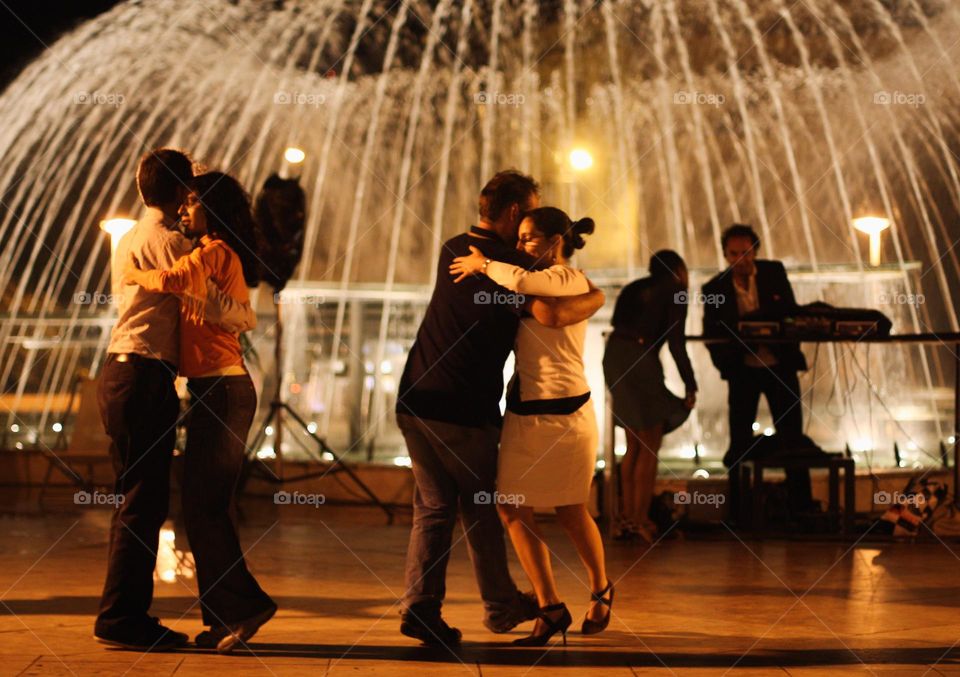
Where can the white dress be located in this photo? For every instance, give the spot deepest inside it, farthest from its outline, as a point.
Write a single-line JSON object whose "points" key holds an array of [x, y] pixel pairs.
{"points": [[547, 460]]}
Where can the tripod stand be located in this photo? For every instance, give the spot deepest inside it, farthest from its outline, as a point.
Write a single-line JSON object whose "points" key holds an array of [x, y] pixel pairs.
{"points": [[275, 419]]}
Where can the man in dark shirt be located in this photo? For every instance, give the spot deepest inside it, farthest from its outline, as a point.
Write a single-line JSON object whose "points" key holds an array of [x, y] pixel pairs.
{"points": [[448, 411], [750, 285]]}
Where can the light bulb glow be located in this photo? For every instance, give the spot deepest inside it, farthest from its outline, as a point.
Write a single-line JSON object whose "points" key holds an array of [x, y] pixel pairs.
{"points": [[580, 159], [294, 155], [118, 227], [871, 224]]}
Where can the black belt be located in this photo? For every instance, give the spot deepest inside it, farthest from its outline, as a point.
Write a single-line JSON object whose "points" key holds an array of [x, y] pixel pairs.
{"points": [[627, 335], [137, 358], [559, 405]]}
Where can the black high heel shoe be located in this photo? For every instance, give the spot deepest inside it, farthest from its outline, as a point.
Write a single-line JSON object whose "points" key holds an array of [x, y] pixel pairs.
{"points": [[553, 626], [590, 627]]}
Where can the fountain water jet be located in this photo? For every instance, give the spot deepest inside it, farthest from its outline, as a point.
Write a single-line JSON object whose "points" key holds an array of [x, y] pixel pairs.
{"points": [[797, 117]]}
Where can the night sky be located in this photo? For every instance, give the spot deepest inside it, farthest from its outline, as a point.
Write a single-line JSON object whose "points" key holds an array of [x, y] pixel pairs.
{"points": [[26, 25]]}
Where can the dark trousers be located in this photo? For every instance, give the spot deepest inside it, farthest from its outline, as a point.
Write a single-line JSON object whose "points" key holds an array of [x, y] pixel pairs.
{"points": [[782, 390], [451, 465], [139, 407], [221, 412]]}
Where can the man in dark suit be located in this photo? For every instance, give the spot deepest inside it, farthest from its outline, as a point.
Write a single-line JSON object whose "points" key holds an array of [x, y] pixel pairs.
{"points": [[750, 286]]}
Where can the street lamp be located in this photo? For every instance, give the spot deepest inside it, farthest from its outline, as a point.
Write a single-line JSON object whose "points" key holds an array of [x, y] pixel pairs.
{"points": [[291, 156], [116, 228], [580, 159], [294, 155], [872, 226]]}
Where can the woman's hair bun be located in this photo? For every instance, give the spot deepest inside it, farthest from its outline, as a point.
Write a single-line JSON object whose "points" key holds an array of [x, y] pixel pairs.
{"points": [[578, 229]]}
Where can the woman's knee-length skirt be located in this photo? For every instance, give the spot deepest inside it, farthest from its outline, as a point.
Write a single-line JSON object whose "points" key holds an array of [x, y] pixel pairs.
{"points": [[548, 460]]}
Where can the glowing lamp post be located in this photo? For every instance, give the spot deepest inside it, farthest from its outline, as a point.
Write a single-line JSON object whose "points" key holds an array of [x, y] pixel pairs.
{"points": [[116, 228], [872, 226], [580, 159], [292, 157]]}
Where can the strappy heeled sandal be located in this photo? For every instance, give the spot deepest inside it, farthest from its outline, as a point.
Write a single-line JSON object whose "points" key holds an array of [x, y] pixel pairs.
{"points": [[591, 627], [553, 626]]}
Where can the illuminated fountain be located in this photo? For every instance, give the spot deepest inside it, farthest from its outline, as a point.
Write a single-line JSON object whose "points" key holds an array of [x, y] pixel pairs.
{"points": [[665, 120]]}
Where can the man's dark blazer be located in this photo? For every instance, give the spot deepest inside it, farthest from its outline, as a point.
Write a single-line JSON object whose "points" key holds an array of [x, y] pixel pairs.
{"points": [[721, 316]]}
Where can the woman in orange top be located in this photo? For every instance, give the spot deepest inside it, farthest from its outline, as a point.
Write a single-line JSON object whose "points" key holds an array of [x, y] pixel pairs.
{"points": [[223, 402]]}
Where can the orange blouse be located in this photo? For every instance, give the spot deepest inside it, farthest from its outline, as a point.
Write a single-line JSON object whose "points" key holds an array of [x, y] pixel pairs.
{"points": [[205, 348]]}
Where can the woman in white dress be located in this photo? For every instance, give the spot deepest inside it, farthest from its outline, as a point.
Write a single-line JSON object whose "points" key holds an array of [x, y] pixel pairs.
{"points": [[549, 440]]}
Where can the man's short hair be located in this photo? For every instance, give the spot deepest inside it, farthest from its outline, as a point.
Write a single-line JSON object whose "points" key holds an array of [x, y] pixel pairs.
{"points": [[504, 189], [740, 230], [161, 175]]}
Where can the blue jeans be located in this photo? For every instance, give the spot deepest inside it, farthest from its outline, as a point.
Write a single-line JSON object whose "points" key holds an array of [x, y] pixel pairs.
{"points": [[454, 466]]}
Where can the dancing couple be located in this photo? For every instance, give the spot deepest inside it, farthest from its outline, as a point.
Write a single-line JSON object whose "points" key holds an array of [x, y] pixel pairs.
{"points": [[181, 276], [507, 284]]}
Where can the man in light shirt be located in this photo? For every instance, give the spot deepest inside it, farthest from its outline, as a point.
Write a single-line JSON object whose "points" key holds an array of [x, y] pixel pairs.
{"points": [[139, 405], [750, 285]]}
